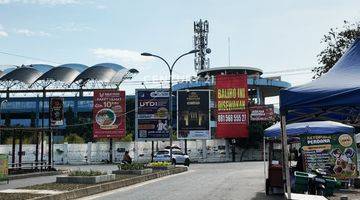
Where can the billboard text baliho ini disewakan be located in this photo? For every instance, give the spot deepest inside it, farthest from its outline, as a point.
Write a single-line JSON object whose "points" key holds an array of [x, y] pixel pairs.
{"points": [[231, 103]]}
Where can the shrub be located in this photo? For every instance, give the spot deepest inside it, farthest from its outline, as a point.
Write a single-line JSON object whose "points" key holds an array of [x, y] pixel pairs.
{"points": [[86, 173], [132, 166], [74, 139], [159, 164]]}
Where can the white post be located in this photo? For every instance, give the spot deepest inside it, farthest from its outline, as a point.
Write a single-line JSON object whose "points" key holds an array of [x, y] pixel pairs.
{"points": [[287, 187], [65, 156], [88, 152], [204, 151]]}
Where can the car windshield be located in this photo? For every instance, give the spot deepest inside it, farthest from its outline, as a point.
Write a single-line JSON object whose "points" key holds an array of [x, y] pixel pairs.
{"points": [[162, 152]]}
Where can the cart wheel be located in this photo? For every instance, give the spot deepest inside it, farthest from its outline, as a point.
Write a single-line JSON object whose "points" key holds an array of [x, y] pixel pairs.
{"points": [[267, 187]]}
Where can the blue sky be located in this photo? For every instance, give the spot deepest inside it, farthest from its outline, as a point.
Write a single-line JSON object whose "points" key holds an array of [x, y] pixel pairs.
{"points": [[271, 35]]}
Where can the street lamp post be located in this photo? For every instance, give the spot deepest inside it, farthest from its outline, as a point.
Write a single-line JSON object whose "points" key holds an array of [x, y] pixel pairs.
{"points": [[170, 89]]}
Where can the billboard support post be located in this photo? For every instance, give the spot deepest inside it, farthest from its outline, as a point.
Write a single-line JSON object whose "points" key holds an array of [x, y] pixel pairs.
{"points": [[110, 150], [170, 87]]}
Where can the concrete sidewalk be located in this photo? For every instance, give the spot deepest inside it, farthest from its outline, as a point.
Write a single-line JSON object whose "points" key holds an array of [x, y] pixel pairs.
{"points": [[18, 183]]}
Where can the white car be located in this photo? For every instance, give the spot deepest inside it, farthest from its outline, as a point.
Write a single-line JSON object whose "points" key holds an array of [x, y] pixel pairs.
{"points": [[178, 157]]}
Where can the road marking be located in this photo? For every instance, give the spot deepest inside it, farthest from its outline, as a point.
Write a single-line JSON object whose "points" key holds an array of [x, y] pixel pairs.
{"points": [[132, 186]]}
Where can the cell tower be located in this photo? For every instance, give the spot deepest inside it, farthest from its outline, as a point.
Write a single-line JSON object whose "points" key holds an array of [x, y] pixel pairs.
{"points": [[201, 31]]}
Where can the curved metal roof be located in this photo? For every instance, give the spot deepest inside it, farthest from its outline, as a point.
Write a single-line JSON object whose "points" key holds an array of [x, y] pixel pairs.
{"points": [[26, 75], [76, 66], [69, 73], [63, 74], [100, 73]]}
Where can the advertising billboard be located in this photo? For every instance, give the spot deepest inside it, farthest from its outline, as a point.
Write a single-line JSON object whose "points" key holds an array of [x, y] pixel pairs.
{"points": [[56, 111], [109, 113], [193, 116], [152, 116], [335, 153], [231, 93], [262, 113]]}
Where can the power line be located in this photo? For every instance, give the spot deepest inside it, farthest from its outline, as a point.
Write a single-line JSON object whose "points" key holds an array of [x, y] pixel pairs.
{"points": [[29, 57]]}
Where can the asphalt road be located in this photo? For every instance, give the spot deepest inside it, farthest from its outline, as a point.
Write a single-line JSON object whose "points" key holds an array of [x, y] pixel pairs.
{"points": [[240, 181]]}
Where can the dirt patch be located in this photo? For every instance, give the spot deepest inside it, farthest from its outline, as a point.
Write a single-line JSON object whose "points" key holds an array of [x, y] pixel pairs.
{"points": [[352, 194]]}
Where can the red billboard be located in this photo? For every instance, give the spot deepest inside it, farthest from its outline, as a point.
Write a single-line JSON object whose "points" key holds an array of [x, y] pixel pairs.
{"points": [[109, 113], [232, 106], [262, 113]]}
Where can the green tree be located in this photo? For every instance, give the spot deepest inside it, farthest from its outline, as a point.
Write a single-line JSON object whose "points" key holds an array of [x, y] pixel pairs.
{"points": [[336, 42]]}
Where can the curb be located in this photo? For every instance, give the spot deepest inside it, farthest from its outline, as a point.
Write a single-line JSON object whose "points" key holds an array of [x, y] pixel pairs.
{"points": [[91, 190], [36, 174]]}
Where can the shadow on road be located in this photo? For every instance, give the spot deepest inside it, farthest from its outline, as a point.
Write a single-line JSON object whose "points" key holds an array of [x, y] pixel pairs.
{"points": [[262, 196]]}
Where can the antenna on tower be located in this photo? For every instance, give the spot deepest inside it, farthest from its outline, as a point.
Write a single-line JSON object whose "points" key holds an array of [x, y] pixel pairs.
{"points": [[201, 31]]}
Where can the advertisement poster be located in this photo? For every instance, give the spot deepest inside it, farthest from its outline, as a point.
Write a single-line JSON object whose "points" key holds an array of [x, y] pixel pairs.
{"points": [[3, 166], [152, 116], [232, 106], [193, 116], [109, 114], [56, 111], [335, 153], [262, 113]]}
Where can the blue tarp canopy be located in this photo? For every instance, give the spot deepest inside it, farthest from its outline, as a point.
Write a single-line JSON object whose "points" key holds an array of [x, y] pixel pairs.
{"points": [[309, 128], [334, 96]]}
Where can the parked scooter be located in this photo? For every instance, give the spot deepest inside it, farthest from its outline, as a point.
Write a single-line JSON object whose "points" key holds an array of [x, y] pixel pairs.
{"points": [[317, 184]]}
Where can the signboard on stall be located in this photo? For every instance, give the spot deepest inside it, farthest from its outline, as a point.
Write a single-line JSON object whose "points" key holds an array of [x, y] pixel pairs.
{"points": [[262, 113], [4, 168], [232, 106], [109, 113], [336, 153], [152, 116], [193, 116], [56, 111]]}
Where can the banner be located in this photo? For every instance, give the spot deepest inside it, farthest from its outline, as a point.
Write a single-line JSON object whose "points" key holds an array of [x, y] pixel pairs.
{"points": [[262, 113], [109, 113], [231, 104], [335, 153], [56, 111], [193, 116], [152, 116]]}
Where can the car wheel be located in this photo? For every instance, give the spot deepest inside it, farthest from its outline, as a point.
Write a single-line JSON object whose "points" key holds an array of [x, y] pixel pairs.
{"points": [[187, 162], [173, 161]]}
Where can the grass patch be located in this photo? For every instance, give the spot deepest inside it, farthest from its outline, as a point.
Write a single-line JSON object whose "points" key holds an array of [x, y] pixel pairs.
{"points": [[86, 173]]}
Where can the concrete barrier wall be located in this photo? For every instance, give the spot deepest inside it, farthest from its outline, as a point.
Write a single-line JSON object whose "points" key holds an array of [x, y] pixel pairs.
{"points": [[199, 151]]}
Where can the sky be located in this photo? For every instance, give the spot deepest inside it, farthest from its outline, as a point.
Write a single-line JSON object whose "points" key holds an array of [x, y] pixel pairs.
{"points": [[270, 35]]}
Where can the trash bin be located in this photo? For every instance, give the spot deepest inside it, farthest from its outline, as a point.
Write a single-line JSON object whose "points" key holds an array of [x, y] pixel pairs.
{"points": [[331, 184], [301, 181]]}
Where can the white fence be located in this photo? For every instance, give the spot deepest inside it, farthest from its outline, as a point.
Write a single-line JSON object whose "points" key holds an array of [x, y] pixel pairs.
{"points": [[199, 151]]}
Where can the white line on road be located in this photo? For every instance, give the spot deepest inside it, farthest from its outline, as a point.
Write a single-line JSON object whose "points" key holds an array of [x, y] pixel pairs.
{"points": [[132, 186]]}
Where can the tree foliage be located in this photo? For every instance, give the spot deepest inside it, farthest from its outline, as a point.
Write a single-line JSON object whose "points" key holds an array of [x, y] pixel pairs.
{"points": [[336, 41]]}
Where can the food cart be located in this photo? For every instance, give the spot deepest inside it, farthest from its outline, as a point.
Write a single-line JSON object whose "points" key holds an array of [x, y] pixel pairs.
{"points": [[326, 144]]}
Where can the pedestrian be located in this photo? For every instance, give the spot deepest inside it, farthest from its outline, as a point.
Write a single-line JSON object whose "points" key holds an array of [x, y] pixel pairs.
{"points": [[126, 158]]}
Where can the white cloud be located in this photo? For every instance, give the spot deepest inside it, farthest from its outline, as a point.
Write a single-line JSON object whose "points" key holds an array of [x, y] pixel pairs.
{"points": [[3, 34], [30, 33], [4, 1], [126, 57], [101, 7], [73, 27]]}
